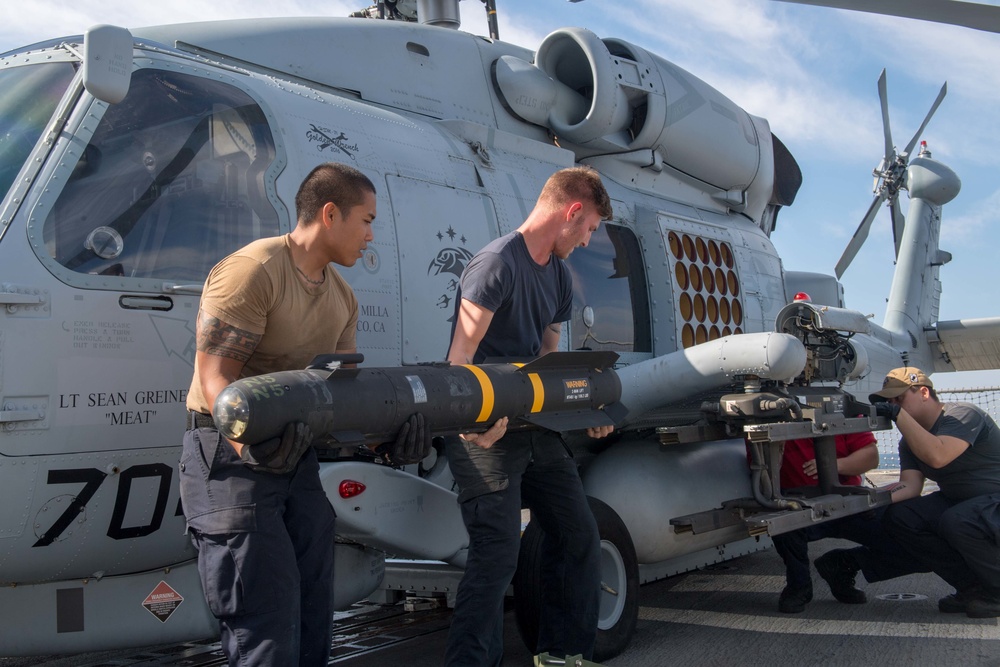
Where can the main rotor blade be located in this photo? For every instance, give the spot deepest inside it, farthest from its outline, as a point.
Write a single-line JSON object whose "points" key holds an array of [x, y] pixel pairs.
{"points": [[920, 130], [898, 223], [860, 235], [883, 98], [973, 15]]}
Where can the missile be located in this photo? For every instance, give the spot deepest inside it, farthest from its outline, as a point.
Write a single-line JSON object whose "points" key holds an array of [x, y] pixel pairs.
{"points": [[561, 391]]}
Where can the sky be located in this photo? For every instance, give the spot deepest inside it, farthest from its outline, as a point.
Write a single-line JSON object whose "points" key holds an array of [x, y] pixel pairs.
{"points": [[810, 71]]}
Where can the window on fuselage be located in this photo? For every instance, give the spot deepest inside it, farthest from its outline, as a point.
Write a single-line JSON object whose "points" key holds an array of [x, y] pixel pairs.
{"points": [[171, 181], [610, 296]]}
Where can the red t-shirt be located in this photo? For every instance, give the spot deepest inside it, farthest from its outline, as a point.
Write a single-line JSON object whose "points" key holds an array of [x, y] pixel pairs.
{"points": [[797, 452]]}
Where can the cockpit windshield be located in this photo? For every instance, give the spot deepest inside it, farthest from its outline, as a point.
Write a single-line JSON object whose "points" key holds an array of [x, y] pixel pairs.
{"points": [[28, 97]]}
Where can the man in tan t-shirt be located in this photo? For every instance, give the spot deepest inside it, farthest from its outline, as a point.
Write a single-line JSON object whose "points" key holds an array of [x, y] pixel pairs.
{"points": [[257, 513]]}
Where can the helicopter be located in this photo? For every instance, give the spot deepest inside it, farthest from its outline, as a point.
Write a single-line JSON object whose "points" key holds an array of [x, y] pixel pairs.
{"points": [[133, 160]]}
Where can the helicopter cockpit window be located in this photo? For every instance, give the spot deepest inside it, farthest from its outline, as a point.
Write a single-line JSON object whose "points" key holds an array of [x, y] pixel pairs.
{"points": [[610, 297], [28, 98], [172, 181]]}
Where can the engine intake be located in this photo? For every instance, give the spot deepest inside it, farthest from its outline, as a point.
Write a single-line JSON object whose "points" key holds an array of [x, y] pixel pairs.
{"points": [[609, 96]]}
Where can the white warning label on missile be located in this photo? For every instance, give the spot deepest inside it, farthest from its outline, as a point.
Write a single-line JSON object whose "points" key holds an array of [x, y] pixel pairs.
{"points": [[577, 390]]}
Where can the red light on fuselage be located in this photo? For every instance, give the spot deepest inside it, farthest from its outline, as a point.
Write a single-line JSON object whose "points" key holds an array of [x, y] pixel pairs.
{"points": [[801, 296], [349, 488]]}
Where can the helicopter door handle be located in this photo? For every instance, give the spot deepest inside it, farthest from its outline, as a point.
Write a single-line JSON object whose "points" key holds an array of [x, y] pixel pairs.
{"points": [[133, 302]]}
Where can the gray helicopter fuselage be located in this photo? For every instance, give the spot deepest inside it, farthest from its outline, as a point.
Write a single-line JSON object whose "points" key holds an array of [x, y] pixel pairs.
{"points": [[113, 215]]}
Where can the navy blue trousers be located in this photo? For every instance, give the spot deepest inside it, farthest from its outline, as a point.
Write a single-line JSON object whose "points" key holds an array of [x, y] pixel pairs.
{"points": [[534, 468], [883, 557], [958, 540], [265, 553]]}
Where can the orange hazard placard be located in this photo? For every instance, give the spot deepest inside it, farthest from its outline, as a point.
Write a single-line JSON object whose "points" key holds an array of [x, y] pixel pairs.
{"points": [[162, 602]]}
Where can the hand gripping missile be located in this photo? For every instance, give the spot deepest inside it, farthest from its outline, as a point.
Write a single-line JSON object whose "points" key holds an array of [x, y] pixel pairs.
{"points": [[561, 391]]}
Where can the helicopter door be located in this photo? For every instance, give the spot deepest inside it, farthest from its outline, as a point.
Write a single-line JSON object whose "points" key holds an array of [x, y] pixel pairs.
{"points": [[127, 221], [438, 229]]}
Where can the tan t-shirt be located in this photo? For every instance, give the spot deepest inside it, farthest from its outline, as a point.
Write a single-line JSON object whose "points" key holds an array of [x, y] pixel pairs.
{"points": [[256, 289]]}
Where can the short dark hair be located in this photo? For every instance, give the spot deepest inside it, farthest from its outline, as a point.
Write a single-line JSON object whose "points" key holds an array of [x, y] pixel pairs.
{"points": [[331, 182], [578, 183]]}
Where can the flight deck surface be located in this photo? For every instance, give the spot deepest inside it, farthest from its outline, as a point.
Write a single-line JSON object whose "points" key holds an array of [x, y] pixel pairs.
{"points": [[723, 615]]}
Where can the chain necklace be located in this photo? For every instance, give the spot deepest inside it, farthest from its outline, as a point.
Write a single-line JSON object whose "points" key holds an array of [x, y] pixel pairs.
{"points": [[310, 280]]}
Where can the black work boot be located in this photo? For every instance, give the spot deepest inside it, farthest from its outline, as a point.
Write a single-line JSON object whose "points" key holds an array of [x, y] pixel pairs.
{"points": [[957, 602], [838, 568], [793, 600], [984, 604]]}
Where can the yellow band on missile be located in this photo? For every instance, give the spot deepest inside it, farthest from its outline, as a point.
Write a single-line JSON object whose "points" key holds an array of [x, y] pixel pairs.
{"points": [[539, 391], [536, 384], [487, 388]]}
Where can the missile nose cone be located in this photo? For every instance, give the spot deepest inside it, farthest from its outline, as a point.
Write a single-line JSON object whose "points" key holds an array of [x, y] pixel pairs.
{"points": [[231, 412]]}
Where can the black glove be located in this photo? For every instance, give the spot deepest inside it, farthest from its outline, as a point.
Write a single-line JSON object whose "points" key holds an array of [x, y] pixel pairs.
{"points": [[413, 442], [887, 409], [279, 455]]}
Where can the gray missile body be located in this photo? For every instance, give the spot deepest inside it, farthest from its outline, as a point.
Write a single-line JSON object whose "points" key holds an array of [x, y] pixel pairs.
{"points": [[561, 391]]}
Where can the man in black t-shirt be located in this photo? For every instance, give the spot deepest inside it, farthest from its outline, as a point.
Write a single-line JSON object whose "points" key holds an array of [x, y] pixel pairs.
{"points": [[955, 531], [514, 296]]}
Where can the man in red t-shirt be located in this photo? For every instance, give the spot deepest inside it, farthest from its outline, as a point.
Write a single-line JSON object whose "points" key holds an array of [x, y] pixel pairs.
{"points": [[857, 453]]}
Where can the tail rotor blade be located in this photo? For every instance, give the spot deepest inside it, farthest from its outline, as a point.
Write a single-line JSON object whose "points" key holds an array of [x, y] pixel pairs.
{"points": [[920, 130], [860, 235]]}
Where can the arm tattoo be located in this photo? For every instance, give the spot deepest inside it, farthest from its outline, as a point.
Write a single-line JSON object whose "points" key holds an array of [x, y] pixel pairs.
{"points": [[224, 340]]}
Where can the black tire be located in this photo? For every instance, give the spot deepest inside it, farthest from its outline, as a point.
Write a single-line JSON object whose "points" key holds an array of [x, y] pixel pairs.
{"points": [[619, 572]]}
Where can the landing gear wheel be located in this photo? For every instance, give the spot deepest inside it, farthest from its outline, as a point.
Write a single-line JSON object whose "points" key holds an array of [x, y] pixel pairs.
{"points": [[619, 609]]}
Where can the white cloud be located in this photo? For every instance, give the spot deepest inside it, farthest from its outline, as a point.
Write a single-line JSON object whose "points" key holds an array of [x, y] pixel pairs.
{"points": [[519, 30], [977, 219]]}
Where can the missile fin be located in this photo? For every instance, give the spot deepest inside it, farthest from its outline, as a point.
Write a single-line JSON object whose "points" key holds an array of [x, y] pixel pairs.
{"points": [[348, 437], [617, 412], [575, 359], [569, 421], [329, 364], [338, 373]]}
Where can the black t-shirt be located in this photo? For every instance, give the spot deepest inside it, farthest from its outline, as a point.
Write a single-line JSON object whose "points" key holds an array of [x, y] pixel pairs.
{"points": [[524, 297], [976, 471]]}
